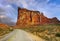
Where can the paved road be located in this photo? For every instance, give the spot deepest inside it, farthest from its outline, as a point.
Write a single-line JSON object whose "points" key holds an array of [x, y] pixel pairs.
{"points": [[20, 35]]}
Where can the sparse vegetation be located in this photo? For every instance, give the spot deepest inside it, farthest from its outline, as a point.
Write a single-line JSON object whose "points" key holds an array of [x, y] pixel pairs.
{"points": [[47, 32], [5, 31], [57, 34]]}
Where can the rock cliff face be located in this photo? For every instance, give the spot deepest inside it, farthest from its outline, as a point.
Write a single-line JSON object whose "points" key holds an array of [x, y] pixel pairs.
{"points": [[30, 17]]}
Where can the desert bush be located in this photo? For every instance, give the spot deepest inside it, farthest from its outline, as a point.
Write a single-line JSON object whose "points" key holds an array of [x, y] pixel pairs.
{"points": [[57, 35], [44, 30]]}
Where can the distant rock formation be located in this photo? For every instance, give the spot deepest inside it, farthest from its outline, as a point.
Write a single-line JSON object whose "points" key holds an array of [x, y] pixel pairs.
{"points": [[54, 20], [3, 26], [30, 17]]}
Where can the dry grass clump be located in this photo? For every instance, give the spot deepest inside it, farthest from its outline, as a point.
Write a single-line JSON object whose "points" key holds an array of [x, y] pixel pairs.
{"points": [[47, 32]]}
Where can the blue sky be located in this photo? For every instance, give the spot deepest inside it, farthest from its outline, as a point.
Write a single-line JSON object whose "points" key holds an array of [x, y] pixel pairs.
{"points": [[8, 8]]}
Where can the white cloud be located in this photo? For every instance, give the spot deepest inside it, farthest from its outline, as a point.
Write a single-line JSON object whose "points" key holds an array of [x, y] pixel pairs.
{"points": [[6, 20], [41, 5], [27, 3], [2, 16], [8, 11], [18, 2]]}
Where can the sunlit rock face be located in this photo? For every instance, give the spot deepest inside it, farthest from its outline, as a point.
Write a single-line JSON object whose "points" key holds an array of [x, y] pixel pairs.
{"points": [[30, 17]]}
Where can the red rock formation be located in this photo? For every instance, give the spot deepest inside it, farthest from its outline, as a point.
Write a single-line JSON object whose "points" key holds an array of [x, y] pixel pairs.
{"points": [[27, 17], [54, 20], [4, 26], [30, 17]]}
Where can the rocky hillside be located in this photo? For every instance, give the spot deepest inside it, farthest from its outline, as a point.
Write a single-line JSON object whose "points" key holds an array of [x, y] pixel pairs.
{"points": [[30, 17], [4, 26]]}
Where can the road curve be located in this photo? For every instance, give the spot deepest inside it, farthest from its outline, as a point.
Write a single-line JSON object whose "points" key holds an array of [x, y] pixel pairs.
{"points": [[20, 35]]}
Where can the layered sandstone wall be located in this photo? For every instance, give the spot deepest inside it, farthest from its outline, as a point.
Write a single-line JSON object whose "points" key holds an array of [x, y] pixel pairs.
{"points": [[27, 17], [30, 17]]}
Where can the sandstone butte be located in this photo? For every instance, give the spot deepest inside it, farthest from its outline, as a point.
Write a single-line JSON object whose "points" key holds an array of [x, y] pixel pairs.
{"points": [[31, 17]]}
